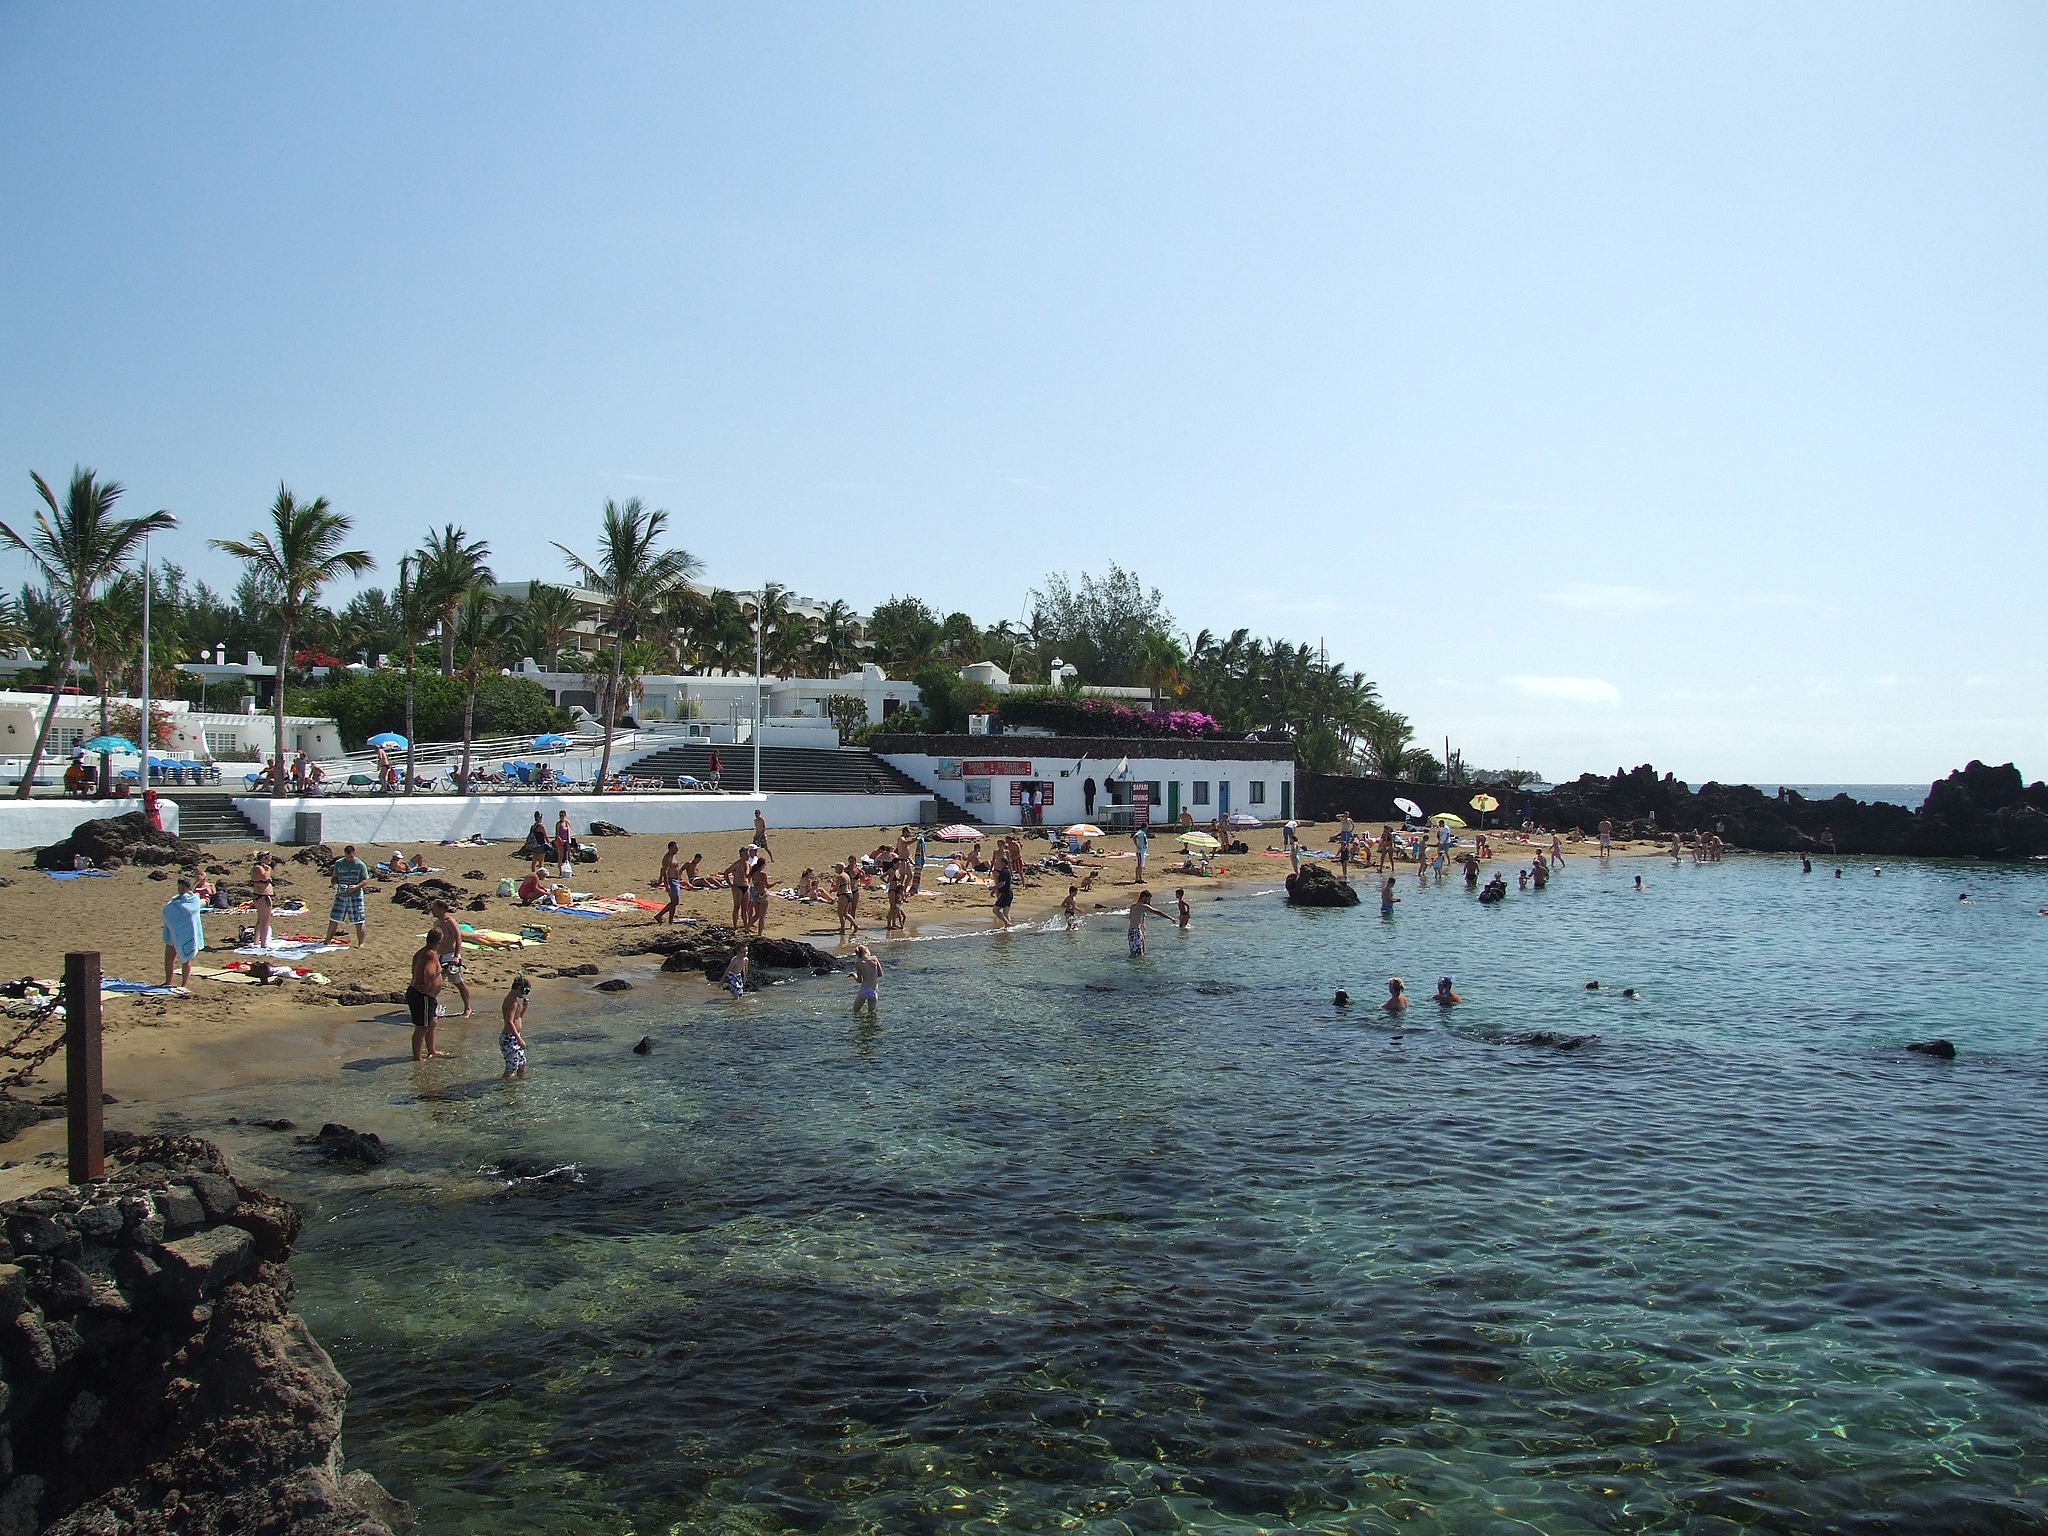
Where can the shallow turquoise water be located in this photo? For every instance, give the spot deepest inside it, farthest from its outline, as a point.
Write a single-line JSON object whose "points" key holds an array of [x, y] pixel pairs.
{"points": [[1072, 1242]]}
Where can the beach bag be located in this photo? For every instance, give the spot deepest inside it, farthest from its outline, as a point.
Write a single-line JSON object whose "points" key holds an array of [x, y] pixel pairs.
{"points": [[507, 888]]}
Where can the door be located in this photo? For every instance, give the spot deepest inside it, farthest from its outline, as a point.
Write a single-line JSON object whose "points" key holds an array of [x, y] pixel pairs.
{"points": [[1287, 800], [1173, 801], [1223, 798]]}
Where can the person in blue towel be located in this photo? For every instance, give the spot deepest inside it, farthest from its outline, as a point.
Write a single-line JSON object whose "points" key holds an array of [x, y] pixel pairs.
{"points": [[184, 933]]}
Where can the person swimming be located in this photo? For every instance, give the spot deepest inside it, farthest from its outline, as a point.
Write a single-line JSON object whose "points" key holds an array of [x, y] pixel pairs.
{"points": [[1445, 997], [1397, 999], [1343, 998]]}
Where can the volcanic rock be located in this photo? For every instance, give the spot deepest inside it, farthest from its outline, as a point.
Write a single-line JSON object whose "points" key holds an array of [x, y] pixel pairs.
{"points": [[1314, 886], [112, 841]]}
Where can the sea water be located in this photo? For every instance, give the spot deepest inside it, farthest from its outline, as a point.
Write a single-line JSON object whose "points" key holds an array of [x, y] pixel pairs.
{"points": [[1073, 1242]]}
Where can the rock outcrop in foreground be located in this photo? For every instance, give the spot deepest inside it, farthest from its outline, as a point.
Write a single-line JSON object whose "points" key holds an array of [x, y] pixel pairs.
{"points": [[153, 1377], [1314, 886]]}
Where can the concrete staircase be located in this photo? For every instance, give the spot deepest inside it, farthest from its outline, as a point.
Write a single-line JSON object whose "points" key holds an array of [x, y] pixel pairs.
{"points": [[209, 816]]}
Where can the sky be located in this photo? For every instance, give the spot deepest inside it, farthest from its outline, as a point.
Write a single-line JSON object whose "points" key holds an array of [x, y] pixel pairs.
{"points": [[1610, 383]]}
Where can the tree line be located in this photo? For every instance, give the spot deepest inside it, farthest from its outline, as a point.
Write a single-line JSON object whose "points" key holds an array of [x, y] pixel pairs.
{"points": [[630, 607]]}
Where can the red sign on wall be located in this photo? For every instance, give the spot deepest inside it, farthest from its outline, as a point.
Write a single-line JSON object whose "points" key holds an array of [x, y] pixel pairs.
{"points": [[994, 768], [1141, 803]]}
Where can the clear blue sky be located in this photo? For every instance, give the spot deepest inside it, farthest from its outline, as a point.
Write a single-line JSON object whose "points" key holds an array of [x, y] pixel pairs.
{"points": [[1611, 382]]}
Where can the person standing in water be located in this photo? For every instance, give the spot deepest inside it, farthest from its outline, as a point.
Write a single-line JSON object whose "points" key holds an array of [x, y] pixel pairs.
{"points": [[736, 971], [423, 998], [1387, 897], [448, 942], [1183, 913], [1346, 836], [511, 1041], [1069, 909], [1004, 892], [1397, 998], [1139, 907], [867, 981]]}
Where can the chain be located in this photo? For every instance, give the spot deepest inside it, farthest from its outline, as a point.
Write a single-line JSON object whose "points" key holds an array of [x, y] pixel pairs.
{"points": [[32, 1059]]}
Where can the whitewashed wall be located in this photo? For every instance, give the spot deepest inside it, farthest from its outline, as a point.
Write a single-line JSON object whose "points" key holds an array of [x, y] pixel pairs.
{"points": [[377, 821], [38, 823], [1067, 777]]}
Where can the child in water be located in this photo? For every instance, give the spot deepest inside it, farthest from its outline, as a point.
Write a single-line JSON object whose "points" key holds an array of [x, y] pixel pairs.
{"points": [[736, 971], [1067, 908], [867, 978], [510, 1040], [1181, 909]]}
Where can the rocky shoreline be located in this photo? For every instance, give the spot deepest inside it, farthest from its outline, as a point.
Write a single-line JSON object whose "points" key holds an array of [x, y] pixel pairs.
{"points": [[1977, 812], [153, 1377]]}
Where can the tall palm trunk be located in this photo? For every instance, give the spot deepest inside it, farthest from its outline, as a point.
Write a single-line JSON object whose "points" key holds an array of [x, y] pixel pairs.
{"points": [[35, 755], [410, 652], [284, 650], [611, 713], [107, 758], [468, 733]]}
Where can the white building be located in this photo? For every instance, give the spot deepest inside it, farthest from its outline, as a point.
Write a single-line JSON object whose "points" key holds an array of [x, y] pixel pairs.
{"points": [[724, 699], [1098, 779], [196, 735]]}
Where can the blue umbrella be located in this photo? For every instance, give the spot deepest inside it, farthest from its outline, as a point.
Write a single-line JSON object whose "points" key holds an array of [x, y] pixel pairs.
{"points": [[543, 743], [388, 739], [109, 744]]}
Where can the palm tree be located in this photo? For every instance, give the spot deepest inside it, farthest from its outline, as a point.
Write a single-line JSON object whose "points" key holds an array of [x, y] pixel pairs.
{"points": [[1385, 737], [409, 619], [546, 620], [77, 547], [295, 557], [633, 576], [13, 625], [482, 628], [451, 566], [110, 635], [839, 643]]}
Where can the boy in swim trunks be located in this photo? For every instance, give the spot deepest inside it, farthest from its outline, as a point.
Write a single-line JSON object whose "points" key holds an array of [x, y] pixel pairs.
{"points": [[510, 1040], [448, 940], [736, 971], [1182, 912], [1139, 908], [670, 879], [1067, 909], [867, 976], [423, 998]]}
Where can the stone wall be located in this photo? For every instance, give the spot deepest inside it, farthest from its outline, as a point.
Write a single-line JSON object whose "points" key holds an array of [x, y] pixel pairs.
{"points": [[153, 1377]]}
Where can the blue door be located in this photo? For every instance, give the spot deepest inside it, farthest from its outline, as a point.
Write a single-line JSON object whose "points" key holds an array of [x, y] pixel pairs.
{"points": [[1223, 797]]}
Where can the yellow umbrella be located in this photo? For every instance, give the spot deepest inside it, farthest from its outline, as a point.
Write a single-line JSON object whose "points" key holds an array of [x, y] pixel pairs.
{"points": [[1083, 829], [1446, 819], [1199, 840], [1485, 803]]}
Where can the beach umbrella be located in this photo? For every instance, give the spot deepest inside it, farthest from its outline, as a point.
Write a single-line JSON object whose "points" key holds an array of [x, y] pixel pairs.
{"points": [[1485, 803], [1245, 819], [1084, 829], [1407, 807], [549, 742], [956, 833], [1447, 819], [108, 744], [1198, 840], [390, 740]]}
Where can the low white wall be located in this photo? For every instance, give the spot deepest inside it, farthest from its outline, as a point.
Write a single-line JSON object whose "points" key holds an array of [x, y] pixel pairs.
{"points": [[378, 822], [38, 823]]}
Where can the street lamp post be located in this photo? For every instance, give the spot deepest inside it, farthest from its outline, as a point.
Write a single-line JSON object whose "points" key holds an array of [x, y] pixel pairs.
{"points": [[146, 733], [760, 602]]}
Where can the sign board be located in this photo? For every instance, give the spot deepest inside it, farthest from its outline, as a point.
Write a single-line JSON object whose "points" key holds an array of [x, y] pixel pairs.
{"points": [[1141, 804], [994, 768], [1019, 787]]}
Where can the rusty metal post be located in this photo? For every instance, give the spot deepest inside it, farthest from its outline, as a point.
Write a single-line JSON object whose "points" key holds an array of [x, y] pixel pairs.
{"points": [[83, 1099]]}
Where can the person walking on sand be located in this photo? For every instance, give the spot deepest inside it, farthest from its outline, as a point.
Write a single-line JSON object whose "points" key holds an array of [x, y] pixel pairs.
{"points": [[1139, 907], [736, 971], [1386, 861], [184, 933], [761, 833], [917, 865], [1138, 843], [757, 895], [423, 998], [511, 1040], [736, 881], [842, 903], [350, 875], [448, 944], [867, 981], [565, 842], [263, 891], [670, 879]]}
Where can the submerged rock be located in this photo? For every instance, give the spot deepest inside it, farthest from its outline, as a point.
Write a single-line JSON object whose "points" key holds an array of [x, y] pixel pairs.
{"points": [[615, 984], [1549, 1038], [1941, 1048], [1314, 886], [645, 1047], [340, 1144]]}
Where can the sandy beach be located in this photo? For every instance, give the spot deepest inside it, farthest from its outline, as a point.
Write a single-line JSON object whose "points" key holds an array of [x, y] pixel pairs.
{"points": [[162, 1048]]}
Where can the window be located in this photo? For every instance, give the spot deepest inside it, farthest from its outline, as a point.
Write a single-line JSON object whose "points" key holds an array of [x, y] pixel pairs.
{"points": [[1255, 792], [1152, 792], [1201, 791]]}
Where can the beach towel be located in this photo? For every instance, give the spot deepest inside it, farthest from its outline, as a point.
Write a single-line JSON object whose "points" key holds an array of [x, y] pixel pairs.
{"points": [[289, 949], [574, 911], [138, 988], [79, 874]]}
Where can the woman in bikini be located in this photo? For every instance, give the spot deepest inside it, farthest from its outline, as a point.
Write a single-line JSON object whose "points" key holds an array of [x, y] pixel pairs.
{"points": [[265, 889]]}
